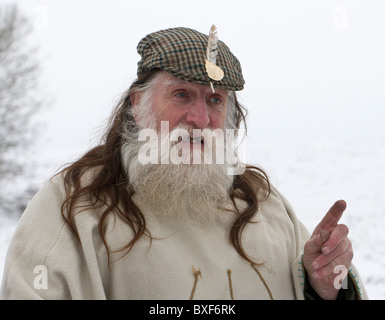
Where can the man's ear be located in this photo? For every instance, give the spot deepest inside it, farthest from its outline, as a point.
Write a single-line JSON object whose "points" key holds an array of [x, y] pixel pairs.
{"points": [[135, 100]]}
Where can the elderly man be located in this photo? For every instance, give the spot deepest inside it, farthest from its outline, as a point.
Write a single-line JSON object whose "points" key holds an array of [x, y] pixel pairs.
{"points": [[144, 215]]}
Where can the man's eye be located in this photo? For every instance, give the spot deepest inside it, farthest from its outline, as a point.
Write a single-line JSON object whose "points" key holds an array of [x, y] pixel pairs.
{"points": [[215, 100], [181, 94]]}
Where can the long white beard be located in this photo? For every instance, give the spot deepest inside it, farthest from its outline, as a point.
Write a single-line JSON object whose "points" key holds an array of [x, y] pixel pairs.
{"points": [[189, 191]]}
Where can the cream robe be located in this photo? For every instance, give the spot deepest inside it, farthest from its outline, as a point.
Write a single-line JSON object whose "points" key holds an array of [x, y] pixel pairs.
{"points": [[46, 261]]}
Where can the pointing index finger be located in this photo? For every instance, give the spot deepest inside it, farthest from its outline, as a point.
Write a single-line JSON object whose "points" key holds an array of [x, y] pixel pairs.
{"points": [[332, 216]]}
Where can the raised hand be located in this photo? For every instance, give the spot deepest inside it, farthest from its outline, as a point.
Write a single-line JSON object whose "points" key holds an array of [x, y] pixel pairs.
{"points": [[328, 247]]}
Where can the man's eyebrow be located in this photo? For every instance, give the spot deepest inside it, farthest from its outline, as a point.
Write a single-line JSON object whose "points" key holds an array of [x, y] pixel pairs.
{"points": [[174, 82]]}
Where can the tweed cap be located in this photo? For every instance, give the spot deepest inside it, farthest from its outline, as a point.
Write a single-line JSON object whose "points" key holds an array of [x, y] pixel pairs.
{"points": [[182, 52]]}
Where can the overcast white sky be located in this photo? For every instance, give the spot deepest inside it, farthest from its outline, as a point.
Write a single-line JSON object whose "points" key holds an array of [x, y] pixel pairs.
{"points": [[314, 70]]}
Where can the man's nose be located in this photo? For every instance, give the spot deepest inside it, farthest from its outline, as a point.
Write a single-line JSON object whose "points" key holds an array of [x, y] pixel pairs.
{"points": [[198, 114]]}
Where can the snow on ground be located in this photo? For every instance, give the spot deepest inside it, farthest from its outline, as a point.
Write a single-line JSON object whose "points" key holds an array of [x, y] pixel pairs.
{"points": [[312, 177]]}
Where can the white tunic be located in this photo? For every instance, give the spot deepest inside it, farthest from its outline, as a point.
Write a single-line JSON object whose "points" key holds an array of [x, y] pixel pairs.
{"points": [[183, 260]]}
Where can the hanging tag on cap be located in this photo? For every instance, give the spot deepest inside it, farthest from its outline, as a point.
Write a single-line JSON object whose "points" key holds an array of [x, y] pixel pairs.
{"points": [[214, 72]]}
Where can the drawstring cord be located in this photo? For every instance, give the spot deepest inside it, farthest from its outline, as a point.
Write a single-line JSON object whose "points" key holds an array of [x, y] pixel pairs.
{"points": [[263, 280], [198, 273], [231, 284]]}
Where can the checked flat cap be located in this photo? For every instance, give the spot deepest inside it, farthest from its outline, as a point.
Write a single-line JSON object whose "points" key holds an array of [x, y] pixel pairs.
{"points": [[182, 52]]}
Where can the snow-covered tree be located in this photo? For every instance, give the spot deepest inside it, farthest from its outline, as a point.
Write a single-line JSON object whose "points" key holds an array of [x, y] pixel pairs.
{"points": [[19, 100]]}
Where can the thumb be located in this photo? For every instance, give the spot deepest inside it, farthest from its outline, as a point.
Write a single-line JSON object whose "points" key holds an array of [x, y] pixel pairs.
{"points": [[324, 235], [314, 245]]}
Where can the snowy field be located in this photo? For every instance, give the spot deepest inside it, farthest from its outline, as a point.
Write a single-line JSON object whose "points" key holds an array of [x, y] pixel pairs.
{"points": [[312, 177]]}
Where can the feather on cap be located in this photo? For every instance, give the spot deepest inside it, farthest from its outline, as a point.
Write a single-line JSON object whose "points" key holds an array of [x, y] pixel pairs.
{"points": [[214, 72]]}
